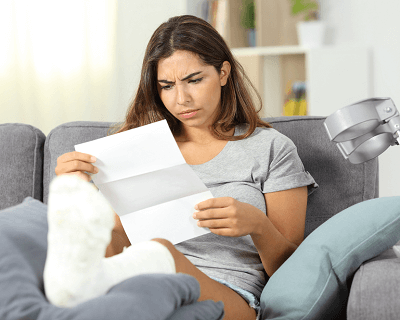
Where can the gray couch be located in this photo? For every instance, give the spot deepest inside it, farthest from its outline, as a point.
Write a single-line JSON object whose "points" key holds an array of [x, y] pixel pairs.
{"points": [[28, 159]]}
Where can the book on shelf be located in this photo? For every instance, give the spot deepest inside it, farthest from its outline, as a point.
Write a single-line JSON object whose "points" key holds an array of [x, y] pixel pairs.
{"points": [[295, 100], [215, 12], [221, 17]]}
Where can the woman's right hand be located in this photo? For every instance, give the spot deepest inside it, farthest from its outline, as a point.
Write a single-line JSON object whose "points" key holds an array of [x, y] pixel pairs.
{"points": [[76, 163]]}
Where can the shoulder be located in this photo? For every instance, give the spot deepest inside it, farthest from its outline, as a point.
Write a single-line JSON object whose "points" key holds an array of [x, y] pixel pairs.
{"points": [[265, 139]]}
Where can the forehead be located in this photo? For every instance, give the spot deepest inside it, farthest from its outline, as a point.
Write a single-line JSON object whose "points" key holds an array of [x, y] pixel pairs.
{"points": [[180, 62]]}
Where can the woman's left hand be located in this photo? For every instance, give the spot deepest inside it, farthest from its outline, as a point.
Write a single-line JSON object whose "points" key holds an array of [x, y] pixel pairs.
{"points": [[229, 217]]}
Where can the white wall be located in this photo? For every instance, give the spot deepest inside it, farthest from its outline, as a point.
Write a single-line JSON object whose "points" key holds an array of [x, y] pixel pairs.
{"points": [[366, 22], [137, 20], [377, 24]]}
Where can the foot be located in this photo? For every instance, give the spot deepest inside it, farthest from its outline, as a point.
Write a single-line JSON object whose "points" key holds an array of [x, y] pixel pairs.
{"points": [[80, 222]]}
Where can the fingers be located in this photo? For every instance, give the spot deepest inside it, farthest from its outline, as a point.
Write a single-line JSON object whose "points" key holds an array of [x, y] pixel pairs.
{"points": [[214, 219], [213, 223], [218, 213], [221, 227], [75, 165], [215, 203], [75, 155], [75, 162], [220, 216]]}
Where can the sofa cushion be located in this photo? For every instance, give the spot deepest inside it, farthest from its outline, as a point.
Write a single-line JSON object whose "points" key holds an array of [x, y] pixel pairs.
{"points": [[342, 184], [375, 289], [21, 159], [62, 139], [313, 282]]}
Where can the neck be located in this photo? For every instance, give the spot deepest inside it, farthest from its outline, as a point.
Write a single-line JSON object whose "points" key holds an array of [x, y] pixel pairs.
{"points": [[198, 135]]}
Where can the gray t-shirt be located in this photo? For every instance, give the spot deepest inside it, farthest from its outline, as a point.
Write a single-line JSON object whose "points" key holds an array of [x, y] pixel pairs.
{"points": [[267, 161]]}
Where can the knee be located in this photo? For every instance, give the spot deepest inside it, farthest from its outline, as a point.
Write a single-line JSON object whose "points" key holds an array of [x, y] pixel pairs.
{"points": [[166, 244]]}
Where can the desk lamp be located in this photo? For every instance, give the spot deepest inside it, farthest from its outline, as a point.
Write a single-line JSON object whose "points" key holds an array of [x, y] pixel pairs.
{"points": [[365, 129]]}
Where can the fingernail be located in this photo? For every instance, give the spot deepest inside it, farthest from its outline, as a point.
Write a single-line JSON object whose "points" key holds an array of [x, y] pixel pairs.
{"points": [[196, 207], [194, 215], [96, 169], [93, 159]]}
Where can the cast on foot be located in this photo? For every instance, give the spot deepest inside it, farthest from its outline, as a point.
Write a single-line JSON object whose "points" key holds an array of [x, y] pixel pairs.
{"points": [[80, 223]]}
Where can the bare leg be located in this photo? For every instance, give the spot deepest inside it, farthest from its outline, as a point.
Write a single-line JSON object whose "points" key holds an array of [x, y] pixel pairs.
{"points": [[235, 306], [119, 239]]}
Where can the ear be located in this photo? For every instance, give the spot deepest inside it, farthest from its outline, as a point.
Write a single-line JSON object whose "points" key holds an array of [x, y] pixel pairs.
{"points": [[225, 71]]}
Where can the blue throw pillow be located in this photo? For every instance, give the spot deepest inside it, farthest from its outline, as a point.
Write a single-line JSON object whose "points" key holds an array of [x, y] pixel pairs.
{"points": [[312, 283]]}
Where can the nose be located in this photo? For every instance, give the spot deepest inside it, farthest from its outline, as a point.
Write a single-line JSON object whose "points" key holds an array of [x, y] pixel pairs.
{"points": [[182, 95]]}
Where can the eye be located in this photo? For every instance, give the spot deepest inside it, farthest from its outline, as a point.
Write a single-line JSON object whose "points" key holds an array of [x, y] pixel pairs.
{"points": [[196, 80], [168, 87]]}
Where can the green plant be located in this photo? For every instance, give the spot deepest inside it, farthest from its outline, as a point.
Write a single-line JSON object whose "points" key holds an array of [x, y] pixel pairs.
{"points": [[248, 14], [310, 8]]}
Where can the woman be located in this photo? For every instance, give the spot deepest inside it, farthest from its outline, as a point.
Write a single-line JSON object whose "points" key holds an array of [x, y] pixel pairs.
{"points": [[257, 218]]}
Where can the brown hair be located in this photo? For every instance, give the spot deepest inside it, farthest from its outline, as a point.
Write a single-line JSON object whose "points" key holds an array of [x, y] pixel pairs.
{"points": [[193, 34]]}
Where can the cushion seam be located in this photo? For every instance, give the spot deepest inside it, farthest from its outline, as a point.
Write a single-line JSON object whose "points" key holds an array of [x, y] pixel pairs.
{"points": [[49, 165], [34, 164], [291, 120], [79, 126], [284, 119]]}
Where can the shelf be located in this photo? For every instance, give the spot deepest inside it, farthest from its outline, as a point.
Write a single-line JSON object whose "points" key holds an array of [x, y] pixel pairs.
{"points": [[335, 75], [269, 51]]}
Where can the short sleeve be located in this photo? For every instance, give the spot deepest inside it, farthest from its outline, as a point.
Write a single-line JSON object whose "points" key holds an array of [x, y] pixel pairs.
{"points": [[286, 170]]}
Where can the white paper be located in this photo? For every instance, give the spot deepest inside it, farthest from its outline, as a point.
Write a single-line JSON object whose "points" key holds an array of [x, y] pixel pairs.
{"points": [[144, 176]]}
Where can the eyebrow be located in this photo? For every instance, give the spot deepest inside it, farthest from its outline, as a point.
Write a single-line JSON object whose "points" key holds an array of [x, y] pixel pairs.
{"points": [[185, 78]]}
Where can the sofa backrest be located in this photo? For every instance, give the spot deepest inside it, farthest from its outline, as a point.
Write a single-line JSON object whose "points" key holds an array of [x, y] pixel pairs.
{"points": [[21, 163], [341, 184], [62, 139]]}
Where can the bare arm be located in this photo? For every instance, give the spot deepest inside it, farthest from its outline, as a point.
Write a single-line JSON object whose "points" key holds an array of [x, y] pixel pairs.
{"points": [[282, 230], [275, 235]]}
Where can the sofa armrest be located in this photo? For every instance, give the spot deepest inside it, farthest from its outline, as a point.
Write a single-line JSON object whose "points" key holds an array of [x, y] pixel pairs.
{"points": [[21, 159], [375, 290]]}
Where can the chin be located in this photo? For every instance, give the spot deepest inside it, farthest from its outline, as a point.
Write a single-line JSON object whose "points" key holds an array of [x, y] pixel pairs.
{"points": [[194, 123]]}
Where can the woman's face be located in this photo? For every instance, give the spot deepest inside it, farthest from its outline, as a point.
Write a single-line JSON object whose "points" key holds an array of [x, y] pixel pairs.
{"points": [[189, 89]]}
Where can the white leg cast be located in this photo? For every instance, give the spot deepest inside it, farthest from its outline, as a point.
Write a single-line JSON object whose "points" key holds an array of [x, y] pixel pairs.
{"points": [[140, 258], [80, 222]]}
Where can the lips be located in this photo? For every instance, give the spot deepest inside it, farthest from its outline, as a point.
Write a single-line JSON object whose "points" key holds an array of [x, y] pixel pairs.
{"points": [[188, 113]]}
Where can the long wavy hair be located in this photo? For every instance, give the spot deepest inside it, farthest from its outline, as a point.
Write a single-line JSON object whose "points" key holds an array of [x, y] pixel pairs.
{"points": [[193, 34]]}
